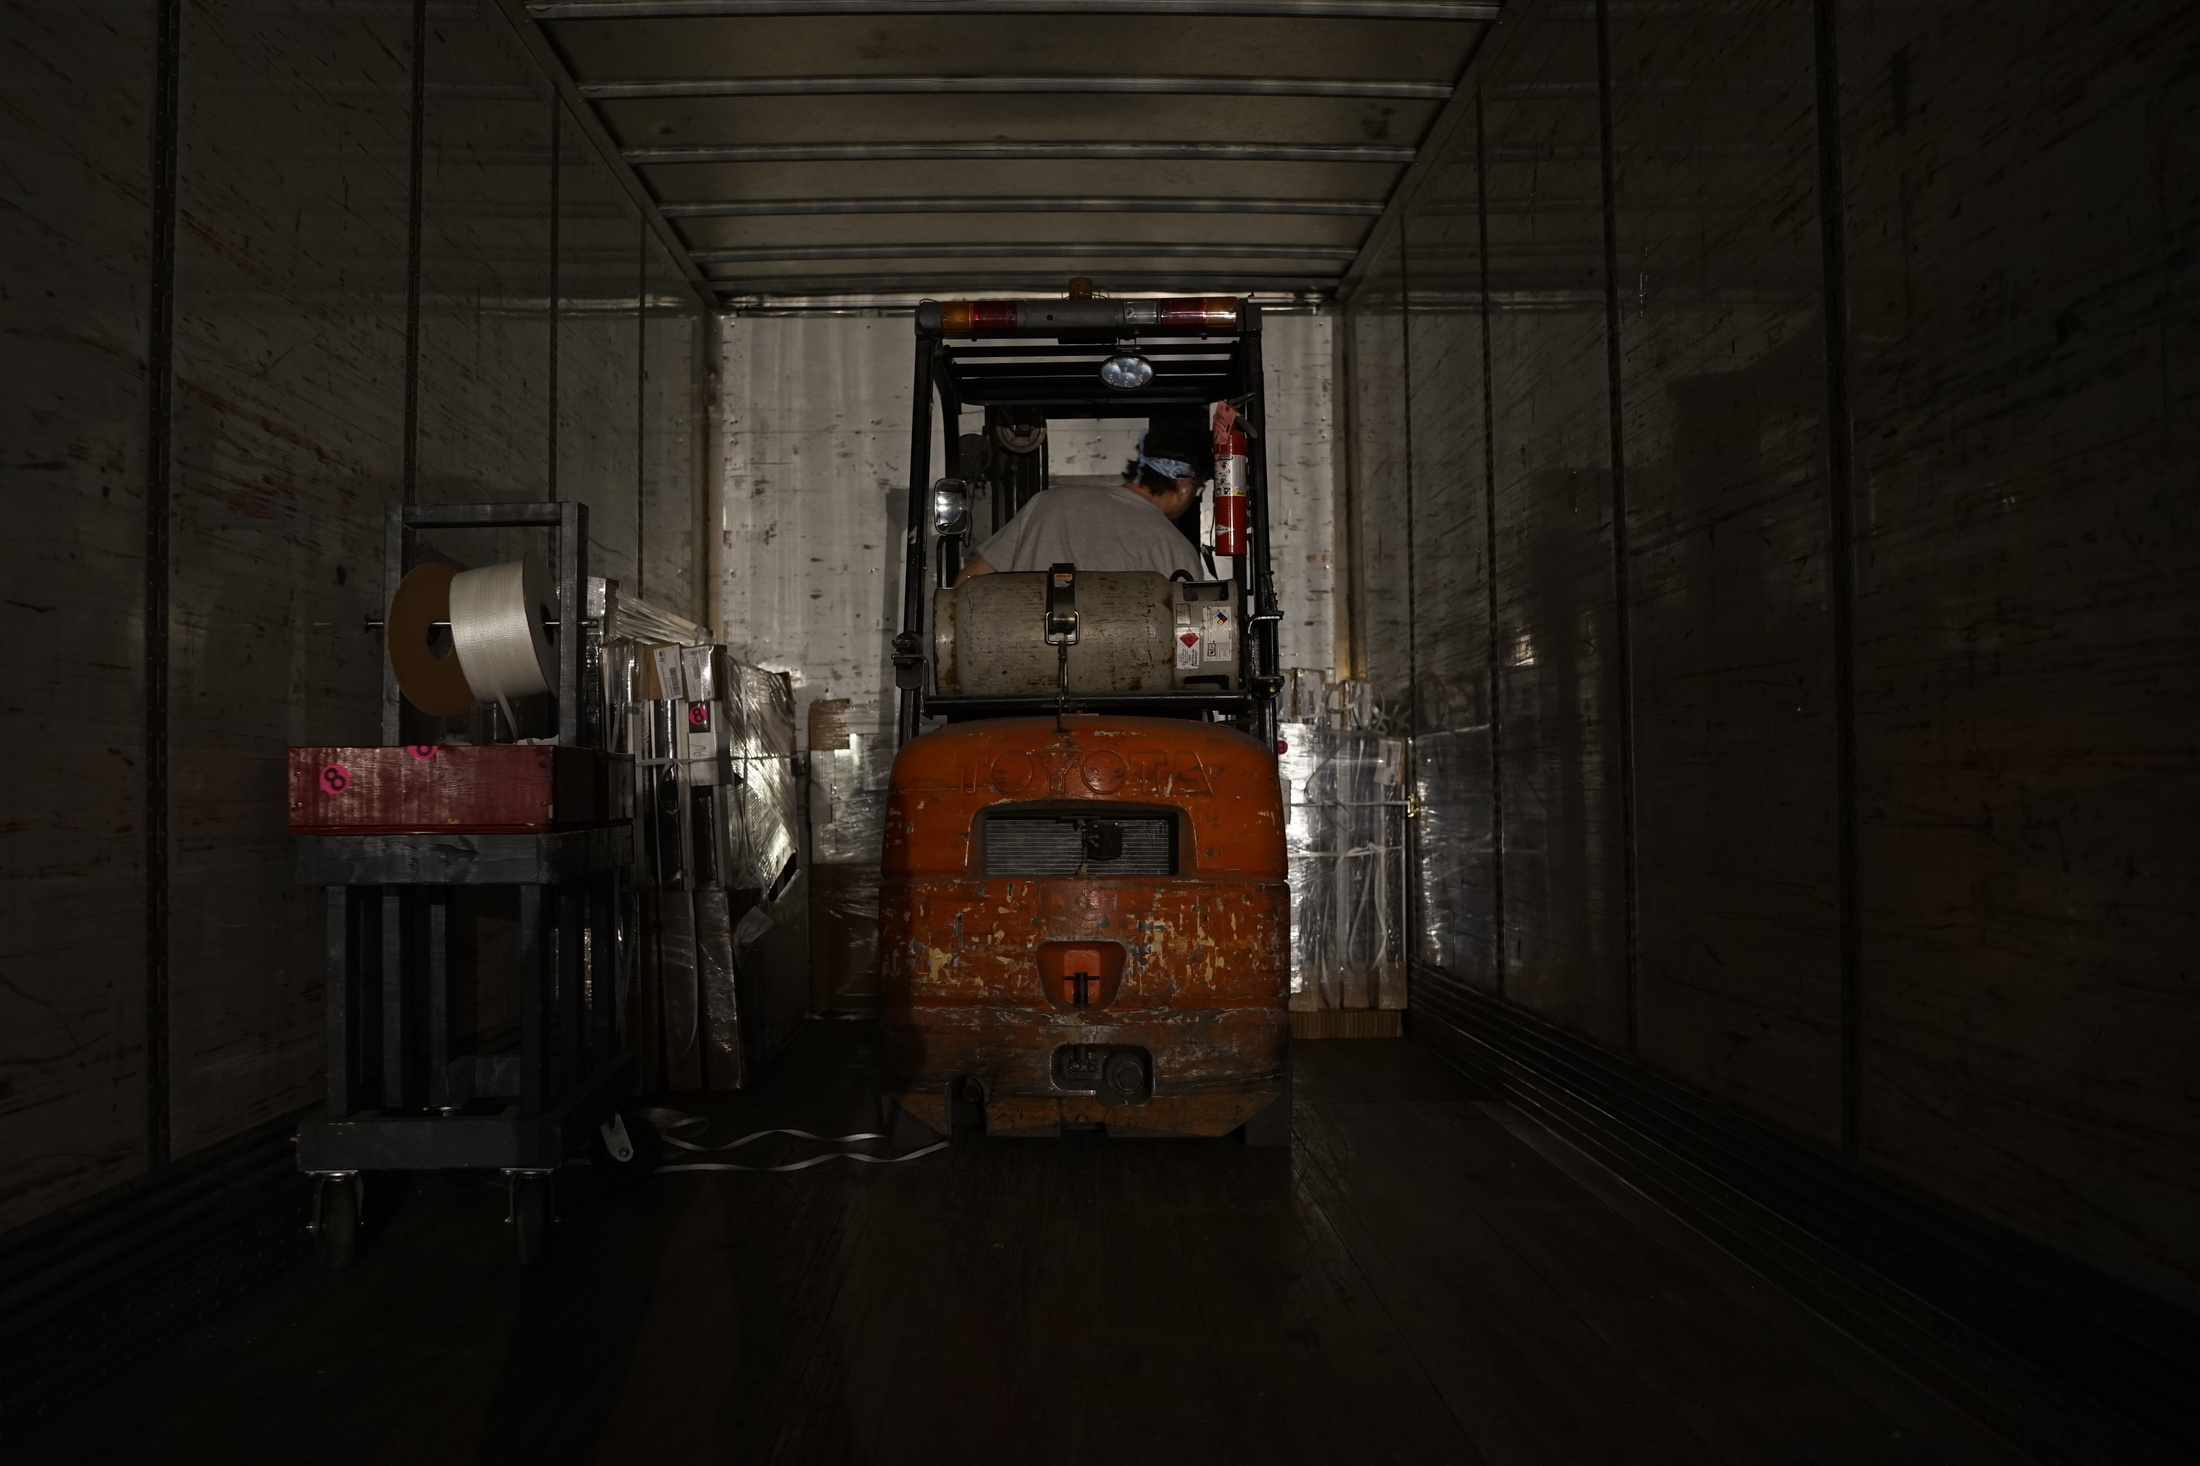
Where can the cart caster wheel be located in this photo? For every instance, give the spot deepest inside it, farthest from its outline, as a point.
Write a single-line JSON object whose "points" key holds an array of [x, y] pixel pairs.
{"points": [[626, 1148], [336, 1220], [531, 1216]]}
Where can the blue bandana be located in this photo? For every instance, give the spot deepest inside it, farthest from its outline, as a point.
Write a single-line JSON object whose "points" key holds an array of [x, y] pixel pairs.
{"points": [[1169, 468]]}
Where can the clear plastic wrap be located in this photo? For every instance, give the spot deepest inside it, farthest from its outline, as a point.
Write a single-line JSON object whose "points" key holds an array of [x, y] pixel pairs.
{"points": [[1305, 696], [719, 842], [762, 828], [1455, 864], [1345, 794], [848, 799], [771, 954], [632, 619], [1352, 704], [671, 984], [752, 967], [844, 922], [619, 660], [849, 772], [721, 1012]]}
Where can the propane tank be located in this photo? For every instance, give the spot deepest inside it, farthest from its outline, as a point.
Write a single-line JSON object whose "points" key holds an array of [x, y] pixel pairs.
{"points": [[1230, 488]]}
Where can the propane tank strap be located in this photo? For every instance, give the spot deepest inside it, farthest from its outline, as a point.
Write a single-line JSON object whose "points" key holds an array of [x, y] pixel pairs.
{"points": [[1061, 612], [1060, 624]]}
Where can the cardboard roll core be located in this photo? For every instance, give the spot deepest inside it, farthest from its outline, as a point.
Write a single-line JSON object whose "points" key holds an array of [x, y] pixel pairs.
{"points": [[434, 683]]}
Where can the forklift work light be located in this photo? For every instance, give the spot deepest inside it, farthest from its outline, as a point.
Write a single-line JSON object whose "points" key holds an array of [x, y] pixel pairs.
{"points": [[1126, 371]]}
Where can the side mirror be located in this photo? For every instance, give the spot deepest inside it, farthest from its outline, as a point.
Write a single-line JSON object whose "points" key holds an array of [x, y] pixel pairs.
{"points": [[951, 506]]}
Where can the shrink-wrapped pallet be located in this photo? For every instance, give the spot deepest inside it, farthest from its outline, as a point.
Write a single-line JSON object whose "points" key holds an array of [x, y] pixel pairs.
{"points": [[844, 921], [1345, 800], [726, 927], [850, 768]]}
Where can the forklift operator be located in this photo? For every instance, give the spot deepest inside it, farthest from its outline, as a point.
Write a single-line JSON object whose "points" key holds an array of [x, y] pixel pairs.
{"points": [[1118, 527]]}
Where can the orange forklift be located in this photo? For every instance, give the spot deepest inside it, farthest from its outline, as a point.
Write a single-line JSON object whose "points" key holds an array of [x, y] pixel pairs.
{"points": [[1085, 922]]}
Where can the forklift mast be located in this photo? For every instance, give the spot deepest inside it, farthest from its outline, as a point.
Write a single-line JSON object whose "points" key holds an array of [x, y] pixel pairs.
{"points": [[1028, 361]]}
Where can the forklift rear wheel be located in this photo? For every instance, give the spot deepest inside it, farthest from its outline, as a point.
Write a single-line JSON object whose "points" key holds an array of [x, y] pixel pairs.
{"points": [[531, 1216], [966, 1108], [1271, 1128], [336, 1233], [645, 1149]]}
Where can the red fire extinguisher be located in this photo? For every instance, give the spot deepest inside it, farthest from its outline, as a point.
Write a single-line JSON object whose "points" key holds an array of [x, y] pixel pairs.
{"points": [[1230, 485]]}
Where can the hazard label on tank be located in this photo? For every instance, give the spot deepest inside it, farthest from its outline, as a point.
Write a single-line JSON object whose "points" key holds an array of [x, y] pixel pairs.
{"points": [[1187, 650], [1220, 639]]}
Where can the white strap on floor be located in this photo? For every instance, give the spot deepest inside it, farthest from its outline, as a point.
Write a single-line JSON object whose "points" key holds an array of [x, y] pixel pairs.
{"points": [[687, 1122], [816, 1160]]}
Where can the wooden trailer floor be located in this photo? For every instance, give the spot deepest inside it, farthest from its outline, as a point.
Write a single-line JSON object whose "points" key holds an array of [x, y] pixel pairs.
{"points": [[1423, 1277]]}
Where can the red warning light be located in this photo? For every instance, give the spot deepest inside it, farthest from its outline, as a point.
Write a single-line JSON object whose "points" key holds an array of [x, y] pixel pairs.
{"points": [[976, 317], [1213, 312]]}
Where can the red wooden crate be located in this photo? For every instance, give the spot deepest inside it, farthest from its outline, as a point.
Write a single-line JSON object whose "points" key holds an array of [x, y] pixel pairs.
{"points": [[425, 789]]}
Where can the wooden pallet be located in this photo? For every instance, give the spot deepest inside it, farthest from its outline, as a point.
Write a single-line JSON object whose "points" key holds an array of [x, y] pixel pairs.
{"points": [[1348, 1023]]}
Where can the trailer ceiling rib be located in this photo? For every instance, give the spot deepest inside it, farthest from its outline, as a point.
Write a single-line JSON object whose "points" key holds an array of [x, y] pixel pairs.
{"points": [[835, 147]]}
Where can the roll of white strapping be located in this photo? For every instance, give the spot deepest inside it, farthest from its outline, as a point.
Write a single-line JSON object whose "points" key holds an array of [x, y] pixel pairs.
{"points": [[498, 631]]}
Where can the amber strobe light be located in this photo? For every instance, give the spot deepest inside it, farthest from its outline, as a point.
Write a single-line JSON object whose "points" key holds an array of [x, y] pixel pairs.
{"points": [[1213, 312], [974, 317]]}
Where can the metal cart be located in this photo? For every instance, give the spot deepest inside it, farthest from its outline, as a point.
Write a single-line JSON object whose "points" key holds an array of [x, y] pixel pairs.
{"points": [[414, 1082]]}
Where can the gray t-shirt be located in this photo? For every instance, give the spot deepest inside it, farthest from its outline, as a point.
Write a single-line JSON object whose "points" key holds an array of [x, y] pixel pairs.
{"points": [[1106, 528]]}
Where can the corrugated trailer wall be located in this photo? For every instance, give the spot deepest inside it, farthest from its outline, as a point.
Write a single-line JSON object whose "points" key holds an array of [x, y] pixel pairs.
{"points": [[1773, 441], [320, 260], [73, 932]]}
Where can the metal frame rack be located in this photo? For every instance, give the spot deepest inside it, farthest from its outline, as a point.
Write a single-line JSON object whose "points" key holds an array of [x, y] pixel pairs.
{"points": [[1041, 356], [401, 1093], [568, 524]]}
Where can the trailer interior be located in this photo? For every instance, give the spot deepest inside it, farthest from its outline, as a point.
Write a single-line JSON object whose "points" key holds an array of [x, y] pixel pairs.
{"points": [[1640, 906]]}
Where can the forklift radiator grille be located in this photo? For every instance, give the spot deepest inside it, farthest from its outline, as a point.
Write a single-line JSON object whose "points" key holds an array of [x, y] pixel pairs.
{"points": [[1055, 845]]}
